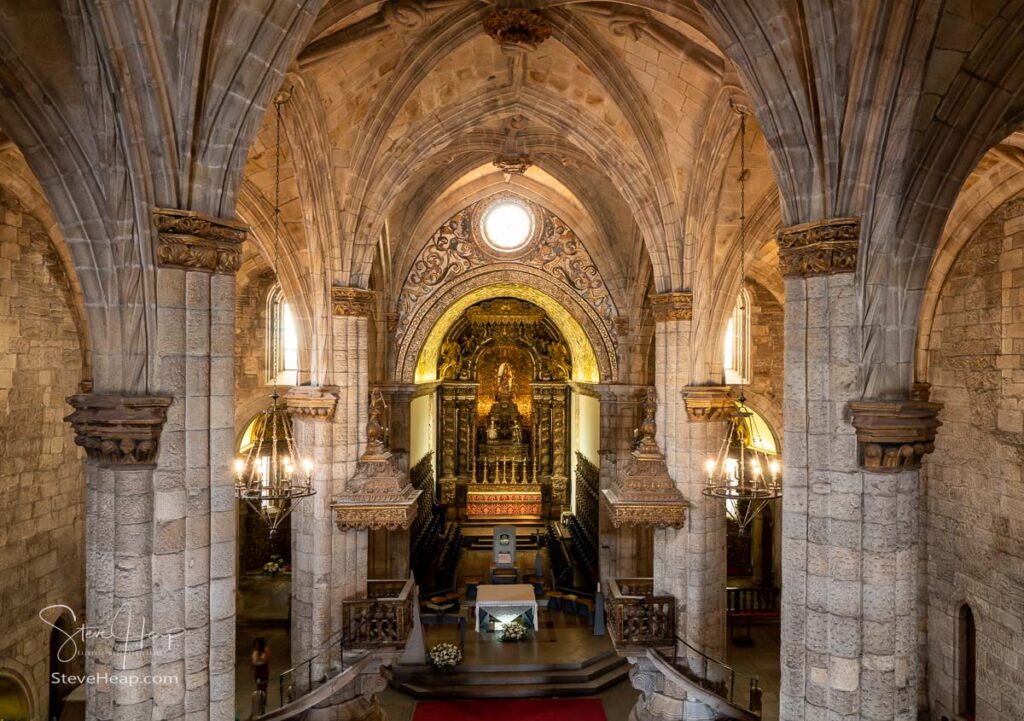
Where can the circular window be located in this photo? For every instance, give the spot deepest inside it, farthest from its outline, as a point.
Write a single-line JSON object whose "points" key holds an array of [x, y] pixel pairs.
{"points": [[507, 226]]}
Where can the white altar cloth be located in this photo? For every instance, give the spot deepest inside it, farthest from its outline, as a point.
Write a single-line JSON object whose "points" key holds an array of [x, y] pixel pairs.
{"points": [[506, 602]]}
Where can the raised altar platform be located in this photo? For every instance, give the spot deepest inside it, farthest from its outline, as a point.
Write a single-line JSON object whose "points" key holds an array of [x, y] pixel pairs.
{"points": [[497, 502]]}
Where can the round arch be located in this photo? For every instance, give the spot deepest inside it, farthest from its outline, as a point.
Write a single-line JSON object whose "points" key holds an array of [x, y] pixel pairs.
{"points": [[16, 700], [418, 353]]}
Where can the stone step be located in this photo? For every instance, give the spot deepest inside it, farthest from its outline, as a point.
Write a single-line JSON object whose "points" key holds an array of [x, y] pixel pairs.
{"points": [[583, 678]]}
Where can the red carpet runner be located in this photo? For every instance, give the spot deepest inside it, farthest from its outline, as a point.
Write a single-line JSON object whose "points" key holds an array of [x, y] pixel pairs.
{"points": [[574, 709]]}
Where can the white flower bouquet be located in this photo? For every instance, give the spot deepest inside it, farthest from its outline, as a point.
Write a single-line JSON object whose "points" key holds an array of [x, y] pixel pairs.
{"points": [[512, 632], [274, 566], [444, 656]]}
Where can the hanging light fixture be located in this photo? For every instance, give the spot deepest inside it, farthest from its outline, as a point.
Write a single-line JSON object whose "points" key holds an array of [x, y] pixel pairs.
{"points": [[270, 478], [745, 477]]}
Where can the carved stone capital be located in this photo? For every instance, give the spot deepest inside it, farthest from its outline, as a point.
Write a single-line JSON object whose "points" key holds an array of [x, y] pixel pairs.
{"points": [[672, 306], [517, 28], [351, 301], [823, 247], [193, 241], [708, 403], [314, 403], [118, 430], [895, 435]]}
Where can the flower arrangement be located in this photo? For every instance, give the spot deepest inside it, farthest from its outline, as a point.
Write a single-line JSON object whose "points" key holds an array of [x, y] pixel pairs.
{"points": [[513, 632], [444, 656], [274, 566]]}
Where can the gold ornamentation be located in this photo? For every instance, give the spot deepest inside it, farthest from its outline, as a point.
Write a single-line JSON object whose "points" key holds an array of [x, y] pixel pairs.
{"points": [[709, 403], [895, 435], [193, 241], [351, 301], [314, 403], [672, 306], [517, 27], [644, 494], [823, 247], [118, 430]]}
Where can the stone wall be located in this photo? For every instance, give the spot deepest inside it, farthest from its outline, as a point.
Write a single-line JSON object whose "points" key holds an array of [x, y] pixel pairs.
{"points": [[974, 488], [42, 530], [766, 355], [252, 284]]}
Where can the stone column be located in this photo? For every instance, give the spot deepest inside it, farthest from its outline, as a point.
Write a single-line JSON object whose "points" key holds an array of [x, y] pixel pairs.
{"points": [[120, 435], [708, 409], [688, 562], [161, 525], [350, 547], [312, 624], [850, 519]]}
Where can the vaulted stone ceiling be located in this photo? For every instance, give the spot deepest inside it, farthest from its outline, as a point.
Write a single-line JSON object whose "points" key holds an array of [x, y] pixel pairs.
{"points": [[624, 112]]}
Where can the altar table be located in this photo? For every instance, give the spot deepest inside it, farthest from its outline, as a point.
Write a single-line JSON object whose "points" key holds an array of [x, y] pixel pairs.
{"points": [[485, 500], [506, 602]]}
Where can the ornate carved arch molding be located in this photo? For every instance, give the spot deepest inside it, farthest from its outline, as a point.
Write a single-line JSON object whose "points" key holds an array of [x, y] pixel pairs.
{"points": [[514, 279], [455, 250]]}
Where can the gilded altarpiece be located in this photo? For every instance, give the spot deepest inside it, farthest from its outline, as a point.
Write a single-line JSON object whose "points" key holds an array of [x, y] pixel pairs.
{"points": [[503, 420]]}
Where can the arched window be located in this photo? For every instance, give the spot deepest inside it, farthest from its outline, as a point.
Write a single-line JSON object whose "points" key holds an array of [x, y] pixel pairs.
{"points": [[282, 341], [968, 669], [736, 348]]}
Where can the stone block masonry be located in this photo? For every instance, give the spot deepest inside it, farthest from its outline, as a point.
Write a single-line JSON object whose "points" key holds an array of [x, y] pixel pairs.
{"points": [[42, 522]]}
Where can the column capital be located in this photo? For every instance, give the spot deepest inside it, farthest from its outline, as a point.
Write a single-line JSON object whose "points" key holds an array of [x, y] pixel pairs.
{"points": [[313, 403], [121, 431], [895, 435], [190, 240], [822, 247], [672, 306], [708, 403], [346, 301]]}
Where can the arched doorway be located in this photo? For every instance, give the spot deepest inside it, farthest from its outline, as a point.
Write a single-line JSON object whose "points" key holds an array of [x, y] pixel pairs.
{"points": [[15, 704], [60, 668]]}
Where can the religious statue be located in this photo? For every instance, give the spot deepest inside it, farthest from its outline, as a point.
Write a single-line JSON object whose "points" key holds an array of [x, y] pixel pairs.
{"points": [[375, 429], [517, 432], [558, 361], [504, 379], [451, 360], [492, 431]]}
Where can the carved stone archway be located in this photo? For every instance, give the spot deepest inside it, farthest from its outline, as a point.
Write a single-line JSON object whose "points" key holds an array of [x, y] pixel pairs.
{"points": [[591, 345]]}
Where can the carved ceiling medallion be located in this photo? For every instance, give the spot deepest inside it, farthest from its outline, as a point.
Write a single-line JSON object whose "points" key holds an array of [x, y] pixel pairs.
{"points": [[517, 28]]}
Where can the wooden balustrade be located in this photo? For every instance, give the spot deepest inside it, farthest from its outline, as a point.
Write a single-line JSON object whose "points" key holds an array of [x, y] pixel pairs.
{"points": [[640, 618], [379, 621], [755, 600]]}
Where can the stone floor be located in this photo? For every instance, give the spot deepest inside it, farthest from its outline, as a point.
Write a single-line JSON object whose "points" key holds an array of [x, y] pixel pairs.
{"points": [[561, 637]]}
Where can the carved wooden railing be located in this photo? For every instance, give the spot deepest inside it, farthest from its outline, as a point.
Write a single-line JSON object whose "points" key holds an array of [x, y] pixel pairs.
{"points": [[756, 600], [379, 621], [639, 618]]}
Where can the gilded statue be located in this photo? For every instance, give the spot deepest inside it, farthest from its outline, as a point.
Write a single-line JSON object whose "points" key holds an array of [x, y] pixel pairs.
{"points": [[504, 379], [558, 361], [451, 360]]}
